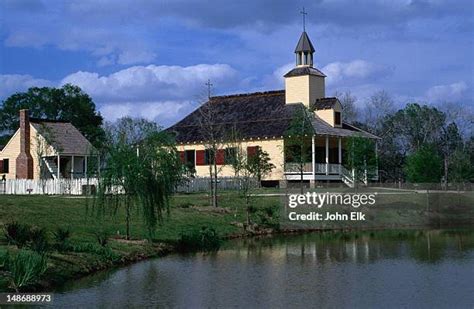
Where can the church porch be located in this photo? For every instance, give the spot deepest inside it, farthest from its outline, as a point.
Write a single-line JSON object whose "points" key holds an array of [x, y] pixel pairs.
{"points": [[322, 157]]}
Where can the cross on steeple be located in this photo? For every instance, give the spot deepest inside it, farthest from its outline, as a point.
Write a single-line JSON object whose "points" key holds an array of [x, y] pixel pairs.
{"points": [[209, 85], [304, 18]]}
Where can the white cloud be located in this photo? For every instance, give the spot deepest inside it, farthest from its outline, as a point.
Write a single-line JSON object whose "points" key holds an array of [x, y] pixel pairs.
{"points": [[11, 83], [165, 113], [356, 71], [451, 92], [153, 83], [161, 93]]}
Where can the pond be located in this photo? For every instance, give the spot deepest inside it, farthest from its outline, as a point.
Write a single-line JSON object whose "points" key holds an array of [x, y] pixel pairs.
{"points": [[422, 269]]}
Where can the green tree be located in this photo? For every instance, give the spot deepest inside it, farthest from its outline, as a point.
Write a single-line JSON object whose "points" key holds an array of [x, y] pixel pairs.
{"points": [[142, 170], [402, 133], [250, 168], [68, 103], [424, 165], [361, 157], [297, 149], [460, 168]]}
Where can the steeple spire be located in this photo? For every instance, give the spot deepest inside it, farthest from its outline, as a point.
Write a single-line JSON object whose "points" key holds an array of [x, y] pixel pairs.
{"points": [[304, 49]]}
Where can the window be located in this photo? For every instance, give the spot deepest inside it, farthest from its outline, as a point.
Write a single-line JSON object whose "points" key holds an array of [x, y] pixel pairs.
{"points": [[6, 166], [230, 155], [189, 158], [337, 118], [252, 151], [208, 157]]}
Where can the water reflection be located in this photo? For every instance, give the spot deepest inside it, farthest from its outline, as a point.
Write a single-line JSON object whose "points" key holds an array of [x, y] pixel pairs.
{"points": [[416, 268]]}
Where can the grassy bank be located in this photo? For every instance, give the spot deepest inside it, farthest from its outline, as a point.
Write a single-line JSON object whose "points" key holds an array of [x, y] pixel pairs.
{"points": [[84, 254]]}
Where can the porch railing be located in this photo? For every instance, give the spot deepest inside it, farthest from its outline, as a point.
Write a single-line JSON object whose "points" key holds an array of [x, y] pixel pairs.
{"points": [[320, 168], [296, 168]]}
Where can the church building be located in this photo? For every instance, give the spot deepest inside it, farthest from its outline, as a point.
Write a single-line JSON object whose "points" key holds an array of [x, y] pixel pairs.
{"points": [[263, 119]]}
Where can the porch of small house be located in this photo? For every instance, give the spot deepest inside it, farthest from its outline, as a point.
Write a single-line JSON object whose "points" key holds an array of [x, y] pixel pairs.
{"points": [[69, 166], [324, 157]]}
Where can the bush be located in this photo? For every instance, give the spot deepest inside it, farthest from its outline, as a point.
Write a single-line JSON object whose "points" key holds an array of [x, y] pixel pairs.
{"points": [[268, 217], [17, 234], [102, 237], [205, 239], [185, 205], [25, 268], [39, 240], [104, 252], [61, 238]]}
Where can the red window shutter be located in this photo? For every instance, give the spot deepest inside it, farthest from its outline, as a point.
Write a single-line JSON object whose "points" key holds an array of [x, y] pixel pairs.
{"points": [[200, 157], [181, 156], [1, 166], [220, 157], [251, 151]]}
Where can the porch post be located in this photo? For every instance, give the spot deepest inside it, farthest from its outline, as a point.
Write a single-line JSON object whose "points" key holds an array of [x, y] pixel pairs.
{"points": [[72, 167], [327, 154], [85, 166], [313, 161], [98, 166], [59, 167], [339, 149], [376, 160]]}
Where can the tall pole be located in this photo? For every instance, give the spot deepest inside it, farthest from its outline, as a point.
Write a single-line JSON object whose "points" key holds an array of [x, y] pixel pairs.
{"points": [[313, 161], [327, 154], [339, 148], [59, 166], [72, 167], [85, 166]]}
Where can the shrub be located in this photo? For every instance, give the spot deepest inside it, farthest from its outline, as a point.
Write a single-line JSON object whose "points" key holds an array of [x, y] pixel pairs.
{"points": [[38, 240], [3, 259], [268, 217], [25, 268], [102, 237], [205, 239], [61, 238], [185, 205], [17, 234]]}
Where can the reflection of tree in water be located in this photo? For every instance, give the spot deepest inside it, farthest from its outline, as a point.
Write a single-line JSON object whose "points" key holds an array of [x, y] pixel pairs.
{"points": [[427, 246]]}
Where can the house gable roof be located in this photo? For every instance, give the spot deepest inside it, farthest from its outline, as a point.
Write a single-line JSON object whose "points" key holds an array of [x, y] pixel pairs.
{"points": [[252, 116], [325, 103], [323, 128], [62, 136]]}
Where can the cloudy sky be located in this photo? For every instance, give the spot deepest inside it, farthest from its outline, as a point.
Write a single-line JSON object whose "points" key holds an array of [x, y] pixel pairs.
{"points": [[152, 58]]}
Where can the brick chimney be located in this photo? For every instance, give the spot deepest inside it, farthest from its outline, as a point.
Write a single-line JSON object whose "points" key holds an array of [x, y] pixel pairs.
{"points": [[24, 161]]}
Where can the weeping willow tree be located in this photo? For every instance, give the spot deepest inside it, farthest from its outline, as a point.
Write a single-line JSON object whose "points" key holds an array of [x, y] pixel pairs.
{"points": [[142, 168]]}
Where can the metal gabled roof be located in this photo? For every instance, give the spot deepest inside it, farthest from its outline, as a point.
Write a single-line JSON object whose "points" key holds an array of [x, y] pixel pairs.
{"points": [[304, 44]]}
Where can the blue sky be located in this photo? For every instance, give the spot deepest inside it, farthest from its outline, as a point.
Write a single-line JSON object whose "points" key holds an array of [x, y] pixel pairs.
{"points": [[151, 58]]}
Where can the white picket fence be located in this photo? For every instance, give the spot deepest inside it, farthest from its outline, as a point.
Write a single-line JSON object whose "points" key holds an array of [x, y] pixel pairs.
{"points": [[47, 187], [202, 184], [78, 186]]}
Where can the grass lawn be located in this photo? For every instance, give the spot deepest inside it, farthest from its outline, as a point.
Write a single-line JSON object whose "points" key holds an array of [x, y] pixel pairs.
{"points": [[78, 214], [192, 212]]}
